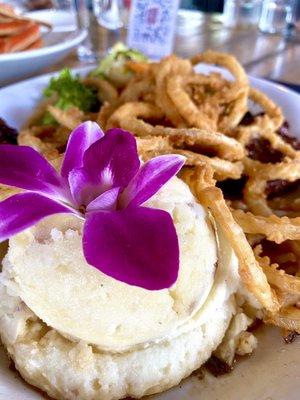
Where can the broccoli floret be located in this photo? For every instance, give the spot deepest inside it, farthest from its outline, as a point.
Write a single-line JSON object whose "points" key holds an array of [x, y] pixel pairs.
{"points": [[69, 91]]}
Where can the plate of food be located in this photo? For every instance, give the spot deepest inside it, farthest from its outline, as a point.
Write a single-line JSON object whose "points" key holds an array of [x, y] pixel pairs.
{"points": [[151, 234], [33, 41]]}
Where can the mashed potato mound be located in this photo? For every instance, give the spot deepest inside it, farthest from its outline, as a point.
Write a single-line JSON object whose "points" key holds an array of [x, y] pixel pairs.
{"points": [[74, 355]]}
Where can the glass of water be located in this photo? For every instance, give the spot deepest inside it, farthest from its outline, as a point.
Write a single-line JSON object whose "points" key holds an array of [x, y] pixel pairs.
{"points": [[277, 16], [102, 20], [241, 12], [108, 13], [86, 21]]}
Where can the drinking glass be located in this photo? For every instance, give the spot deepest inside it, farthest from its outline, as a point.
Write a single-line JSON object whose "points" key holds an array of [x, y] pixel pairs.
{"points": [[102, 20], [108, 13], [88, 51], [277, 16], [241, 12]]}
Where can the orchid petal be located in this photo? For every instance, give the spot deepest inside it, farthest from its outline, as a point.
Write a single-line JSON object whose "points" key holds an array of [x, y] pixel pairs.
{"points": [[23, 210], [138, 246], [150, 178], [106, 201], [25, 168], [81, 186], [85, 192], [79, 141], [112, 161]]}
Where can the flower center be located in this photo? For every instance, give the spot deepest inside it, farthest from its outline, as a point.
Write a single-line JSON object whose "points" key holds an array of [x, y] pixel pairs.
{"points": [[82, 209], [107, 179]]}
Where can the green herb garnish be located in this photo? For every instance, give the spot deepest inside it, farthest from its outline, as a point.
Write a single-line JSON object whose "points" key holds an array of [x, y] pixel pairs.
{"points": [[69, 92], [113, 66]]}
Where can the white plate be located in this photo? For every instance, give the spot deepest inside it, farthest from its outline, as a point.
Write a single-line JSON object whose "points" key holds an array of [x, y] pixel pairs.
{"points": [[57, 44], [272, 373], [60, 20]]}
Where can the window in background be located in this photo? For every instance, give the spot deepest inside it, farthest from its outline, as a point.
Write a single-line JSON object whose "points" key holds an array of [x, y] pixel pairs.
{"points": [[203, 5]]}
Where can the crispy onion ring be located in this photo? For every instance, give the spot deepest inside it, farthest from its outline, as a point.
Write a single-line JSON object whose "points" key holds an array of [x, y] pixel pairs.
{"points": [[239, 106], [223, 146], [223, 169], [277, 277], [259, 125], [273, 112], [224, 60], [246, 134], [28, 138], [149, 147], [214, 110], [104, 114], [234, 113], [169, 65], [106, 91], [69, 118], [259, 174], [138, 89], [185, 105], [279, 203], [249, 269], [220, 89], [157, 144], [274, 228], [286, 299], [288, 318], [128, 117]]}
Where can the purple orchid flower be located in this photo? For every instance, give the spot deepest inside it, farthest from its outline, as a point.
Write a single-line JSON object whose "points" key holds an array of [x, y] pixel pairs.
{"points": [[103, 182]]}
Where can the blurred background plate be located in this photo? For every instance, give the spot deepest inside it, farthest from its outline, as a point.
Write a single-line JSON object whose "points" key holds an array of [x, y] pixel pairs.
{"points": [[62, 21], [58, 43]]}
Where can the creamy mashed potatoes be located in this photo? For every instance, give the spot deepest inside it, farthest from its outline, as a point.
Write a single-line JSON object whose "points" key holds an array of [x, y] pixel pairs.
{"points": [[78, 334]]}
